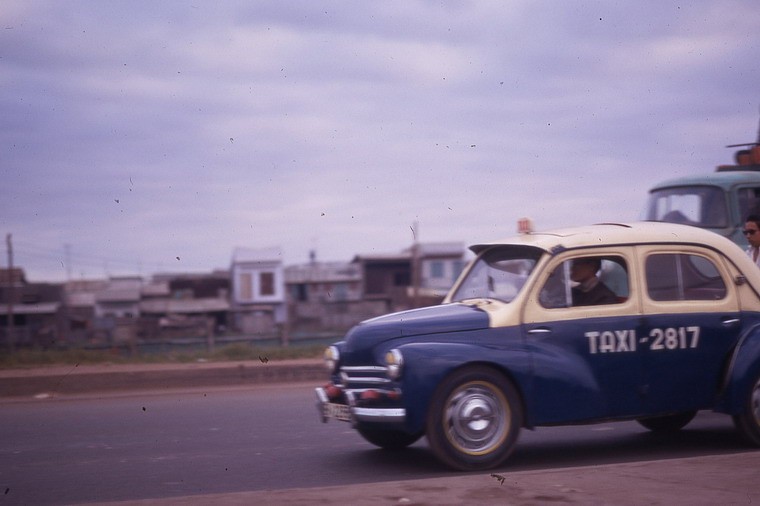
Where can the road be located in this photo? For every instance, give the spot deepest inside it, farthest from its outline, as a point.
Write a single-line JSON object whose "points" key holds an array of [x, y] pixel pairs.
{"points": [[154, 445]]}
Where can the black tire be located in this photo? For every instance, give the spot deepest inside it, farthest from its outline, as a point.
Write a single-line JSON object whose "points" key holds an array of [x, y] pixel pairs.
{"points": [[668, 423], [748, 422], [474, 419], [388, 439]]}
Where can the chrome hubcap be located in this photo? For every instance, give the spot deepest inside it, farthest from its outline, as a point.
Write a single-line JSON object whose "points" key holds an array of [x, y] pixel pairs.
{"points": [[755, 402], [476, 418]]}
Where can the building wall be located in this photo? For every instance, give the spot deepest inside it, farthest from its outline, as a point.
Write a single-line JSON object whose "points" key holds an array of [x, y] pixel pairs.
{"points": [[258, 283], [255, 321], [333, 316]]}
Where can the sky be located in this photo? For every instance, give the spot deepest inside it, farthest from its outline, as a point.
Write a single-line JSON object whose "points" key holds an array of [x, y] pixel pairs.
{"points": [[139, 137]]}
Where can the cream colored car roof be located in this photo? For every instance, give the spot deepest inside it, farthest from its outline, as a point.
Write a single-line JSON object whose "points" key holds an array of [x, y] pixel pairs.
{"points": [[607, 234], [612, 235], [644, 232]]}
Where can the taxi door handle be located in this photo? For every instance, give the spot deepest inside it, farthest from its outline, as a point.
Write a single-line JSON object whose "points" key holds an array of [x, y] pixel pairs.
{"points": [[540, 330], [729, 322]]}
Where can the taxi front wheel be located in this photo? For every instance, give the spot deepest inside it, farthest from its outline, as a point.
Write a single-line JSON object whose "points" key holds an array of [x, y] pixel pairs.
{"points": [[474, 419], [748, 422]]}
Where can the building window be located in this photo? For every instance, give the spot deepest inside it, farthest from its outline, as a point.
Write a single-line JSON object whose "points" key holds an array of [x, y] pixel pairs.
{"points": [[300, 292], [402, 278], [246, 286], [341, 292], [436, 269], [266, 283]]}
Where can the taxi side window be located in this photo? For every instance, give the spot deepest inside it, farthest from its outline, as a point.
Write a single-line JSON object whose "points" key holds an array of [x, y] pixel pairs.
{"points": [[680, 276], [586, 281]]}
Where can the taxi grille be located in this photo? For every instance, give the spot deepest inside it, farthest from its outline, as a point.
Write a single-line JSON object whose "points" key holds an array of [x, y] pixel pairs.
{"points": [[363, 376]]}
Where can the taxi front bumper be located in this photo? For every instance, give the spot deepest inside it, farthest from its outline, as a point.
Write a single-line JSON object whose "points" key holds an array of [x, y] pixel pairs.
{"points": [[349, 407]]}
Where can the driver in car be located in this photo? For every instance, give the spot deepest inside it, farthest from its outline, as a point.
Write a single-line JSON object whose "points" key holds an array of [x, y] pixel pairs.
{"points": [[589, 291]]}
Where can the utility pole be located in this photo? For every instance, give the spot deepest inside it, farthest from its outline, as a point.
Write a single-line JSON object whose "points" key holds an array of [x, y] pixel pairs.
{"points": [[416, 265], [11, 294], [67, 249]]}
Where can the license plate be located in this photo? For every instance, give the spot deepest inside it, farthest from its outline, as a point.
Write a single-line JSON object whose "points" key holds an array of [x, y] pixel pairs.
{"points": [[337, 411]]}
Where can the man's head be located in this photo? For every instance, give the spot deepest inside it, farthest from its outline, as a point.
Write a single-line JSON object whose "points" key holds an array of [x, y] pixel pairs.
{"points": [[752, 230], [585, 268]]}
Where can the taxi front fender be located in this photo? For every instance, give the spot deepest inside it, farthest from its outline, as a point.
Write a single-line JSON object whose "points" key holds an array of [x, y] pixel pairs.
{"points": [[742, 371], [427, 364]]}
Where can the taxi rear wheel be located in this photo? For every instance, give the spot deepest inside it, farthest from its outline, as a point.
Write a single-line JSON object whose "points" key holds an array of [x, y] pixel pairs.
{"points": [[388, 439], [668, 423], [474, 419], [748, 422]]}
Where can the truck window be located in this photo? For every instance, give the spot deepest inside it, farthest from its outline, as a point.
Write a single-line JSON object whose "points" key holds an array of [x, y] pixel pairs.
{"points": [[749, 201], [701, 206]]}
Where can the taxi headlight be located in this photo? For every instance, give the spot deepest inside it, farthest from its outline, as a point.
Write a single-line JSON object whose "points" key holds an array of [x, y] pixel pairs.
{"points": [[332, 358], [395, 363]]}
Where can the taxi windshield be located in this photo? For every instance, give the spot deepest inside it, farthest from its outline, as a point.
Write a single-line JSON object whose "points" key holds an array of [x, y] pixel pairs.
{"points": [[499, 274]]}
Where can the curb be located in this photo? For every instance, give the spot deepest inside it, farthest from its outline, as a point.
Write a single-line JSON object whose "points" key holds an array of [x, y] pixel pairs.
{"points": [[105, 378]]}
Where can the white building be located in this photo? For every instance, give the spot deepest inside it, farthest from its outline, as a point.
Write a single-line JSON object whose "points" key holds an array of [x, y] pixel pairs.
{"points": [[258, 289]]}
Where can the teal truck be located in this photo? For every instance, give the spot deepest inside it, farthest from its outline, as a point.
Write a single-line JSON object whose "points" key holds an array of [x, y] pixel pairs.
{"points": [[718, 201]]}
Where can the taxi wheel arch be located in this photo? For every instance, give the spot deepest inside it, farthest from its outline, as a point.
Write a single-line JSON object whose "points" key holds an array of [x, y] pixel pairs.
{"points": [[387, 439], [748, 421], [474, 418]]}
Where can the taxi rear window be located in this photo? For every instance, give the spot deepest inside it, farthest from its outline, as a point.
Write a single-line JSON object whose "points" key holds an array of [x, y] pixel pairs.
{"points": [[681, 276]]}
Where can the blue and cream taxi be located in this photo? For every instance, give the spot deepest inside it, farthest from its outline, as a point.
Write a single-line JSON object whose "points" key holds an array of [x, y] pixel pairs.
{"points": [[650, 322]]}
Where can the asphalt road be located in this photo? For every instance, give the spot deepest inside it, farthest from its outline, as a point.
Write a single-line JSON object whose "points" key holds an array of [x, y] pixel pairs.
{"points": [[205, 441]]}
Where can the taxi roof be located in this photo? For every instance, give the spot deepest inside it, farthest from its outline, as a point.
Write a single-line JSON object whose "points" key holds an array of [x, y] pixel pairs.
{"points": [[606, 234]]}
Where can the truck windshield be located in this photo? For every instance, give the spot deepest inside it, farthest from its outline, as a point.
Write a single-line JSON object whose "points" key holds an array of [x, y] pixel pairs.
{"points": [[498, 274], [700, 206]]}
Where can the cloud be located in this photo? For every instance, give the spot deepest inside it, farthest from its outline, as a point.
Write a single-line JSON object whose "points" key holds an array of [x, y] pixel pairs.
{"points": [[335, 126]]}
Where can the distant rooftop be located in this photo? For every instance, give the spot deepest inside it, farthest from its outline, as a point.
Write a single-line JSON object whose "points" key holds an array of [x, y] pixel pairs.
{"points": [[426, 250], [322, 272], [13, 276]]}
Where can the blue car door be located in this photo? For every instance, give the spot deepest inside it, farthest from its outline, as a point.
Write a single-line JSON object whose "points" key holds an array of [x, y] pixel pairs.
{"points": [[691, 323], [585, 359]]}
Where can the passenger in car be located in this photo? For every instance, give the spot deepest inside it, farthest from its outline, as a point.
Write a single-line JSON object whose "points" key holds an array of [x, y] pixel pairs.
{"points": [[590, 291]]}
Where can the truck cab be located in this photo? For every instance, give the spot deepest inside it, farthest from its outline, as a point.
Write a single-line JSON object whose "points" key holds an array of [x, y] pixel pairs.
{"points": [[719, 201]]}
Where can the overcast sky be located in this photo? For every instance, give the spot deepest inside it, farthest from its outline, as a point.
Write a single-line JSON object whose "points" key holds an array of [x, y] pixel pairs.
{"points": [[144, 136]]}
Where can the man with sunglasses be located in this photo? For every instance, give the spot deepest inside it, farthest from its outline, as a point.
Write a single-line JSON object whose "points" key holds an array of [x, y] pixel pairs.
{"points": [[752, 233]]}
